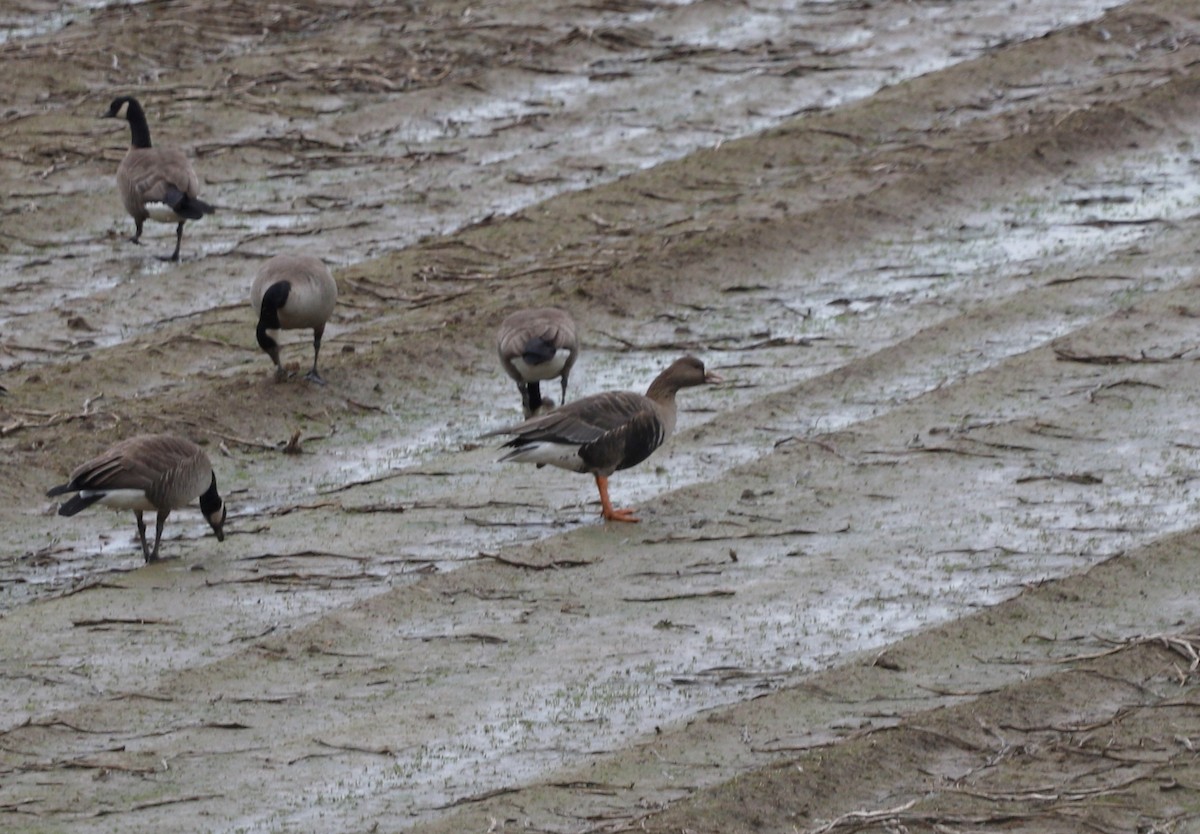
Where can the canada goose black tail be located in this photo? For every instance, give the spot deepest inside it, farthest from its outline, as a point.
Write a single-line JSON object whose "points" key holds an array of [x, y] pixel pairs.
{"points": [[191, 208], [77, 502]]}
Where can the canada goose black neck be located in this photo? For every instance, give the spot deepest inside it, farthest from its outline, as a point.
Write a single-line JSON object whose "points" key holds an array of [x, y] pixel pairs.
{"points": [[214, 509], [273, 300], [210, 501], [134, 114], [537, 350], [533, 396]]}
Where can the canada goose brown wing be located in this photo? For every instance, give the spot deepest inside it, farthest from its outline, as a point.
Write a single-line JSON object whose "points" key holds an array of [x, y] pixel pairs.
{"points": [[115, 469], [170, 470], [148, 175]]}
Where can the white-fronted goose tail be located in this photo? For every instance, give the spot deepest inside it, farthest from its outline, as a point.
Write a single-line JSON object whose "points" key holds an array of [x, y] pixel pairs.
{"points": [[537, 345], [292, 292], [155, 183], [150, 472], [606, 432]]}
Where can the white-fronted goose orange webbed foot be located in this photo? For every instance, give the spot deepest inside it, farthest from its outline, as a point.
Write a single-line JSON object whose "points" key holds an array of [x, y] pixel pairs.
{"points": [[606, 507]]}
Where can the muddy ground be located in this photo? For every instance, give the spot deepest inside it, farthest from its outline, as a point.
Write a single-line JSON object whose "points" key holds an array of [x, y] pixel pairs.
{"points": [[924, 562]]}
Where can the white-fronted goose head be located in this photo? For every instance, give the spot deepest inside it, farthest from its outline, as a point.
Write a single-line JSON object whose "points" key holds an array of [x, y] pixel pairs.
{"points": [[537, 345], [292, 292], [150, 472], [155, 183], [606, 432]]}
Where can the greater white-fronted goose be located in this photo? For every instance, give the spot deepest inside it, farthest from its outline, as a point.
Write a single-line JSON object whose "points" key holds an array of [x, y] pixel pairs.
{"points": [[292, 292], [155, 183], [150, 472], [606, 432], [537, 345]]}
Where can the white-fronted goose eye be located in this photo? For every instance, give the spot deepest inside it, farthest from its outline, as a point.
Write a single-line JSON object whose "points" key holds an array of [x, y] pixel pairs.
{"points": [[292, 292], [606, 432], [155, 183], [148, 473], [537, 345]]}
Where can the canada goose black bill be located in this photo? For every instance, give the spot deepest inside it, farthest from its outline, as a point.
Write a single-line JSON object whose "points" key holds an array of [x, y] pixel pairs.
{"points": [[606, 432], [292, 292], [155, 183], [536, 345], [150, 472]]}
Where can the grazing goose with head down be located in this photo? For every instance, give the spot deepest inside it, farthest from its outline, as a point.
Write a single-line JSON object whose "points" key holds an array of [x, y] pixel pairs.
{"points": [[537, 345], [150, 472], [292, 292], [155, 183], [606, 432]]}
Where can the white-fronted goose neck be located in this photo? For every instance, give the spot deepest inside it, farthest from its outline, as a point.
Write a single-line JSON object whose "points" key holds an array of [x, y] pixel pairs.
{"points": [[150, 472], [537, 345], [155, 183], [292, 292], [606, 432]]}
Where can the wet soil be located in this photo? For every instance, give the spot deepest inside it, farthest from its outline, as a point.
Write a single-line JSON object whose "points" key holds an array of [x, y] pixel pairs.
{"points": [[924, 562]]}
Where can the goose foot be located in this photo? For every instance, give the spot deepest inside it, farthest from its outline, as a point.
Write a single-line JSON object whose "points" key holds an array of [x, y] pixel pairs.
{"points": [[606, 507], [621, 515]]}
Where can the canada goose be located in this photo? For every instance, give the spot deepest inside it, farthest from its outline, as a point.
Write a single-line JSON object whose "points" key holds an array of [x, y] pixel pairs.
{"points": [[158, 472], [292, 292], [155, 183], [606, 432], [537, 345]]}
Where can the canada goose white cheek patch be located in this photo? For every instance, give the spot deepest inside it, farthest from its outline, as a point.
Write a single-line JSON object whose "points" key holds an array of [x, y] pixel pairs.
{"points": [[161, 212], [123, 499]]}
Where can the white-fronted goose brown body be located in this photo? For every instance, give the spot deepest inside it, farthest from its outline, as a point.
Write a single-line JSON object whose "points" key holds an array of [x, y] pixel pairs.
{"points": [[155, 183], [606, 432], [148, 473], [537, 345], [293, 292]]}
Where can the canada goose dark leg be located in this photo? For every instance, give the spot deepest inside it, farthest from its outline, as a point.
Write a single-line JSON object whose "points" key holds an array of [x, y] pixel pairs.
{"points": [[606, 507], [313, 376], [564, 389], [158, 528], [141, 523], [137, 232], [174, 256]]}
